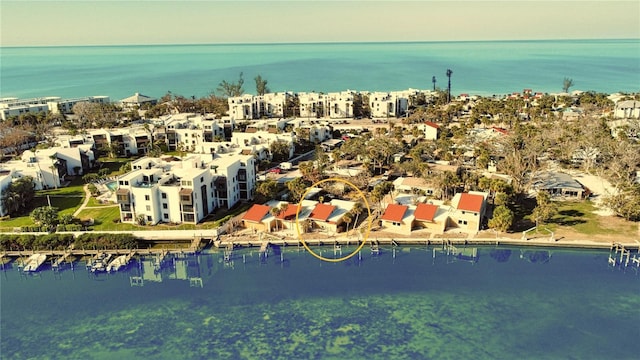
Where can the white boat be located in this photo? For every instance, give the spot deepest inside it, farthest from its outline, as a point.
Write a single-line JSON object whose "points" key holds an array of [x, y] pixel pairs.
{"points": [[100, 263], [118, 263], [34, 262]]}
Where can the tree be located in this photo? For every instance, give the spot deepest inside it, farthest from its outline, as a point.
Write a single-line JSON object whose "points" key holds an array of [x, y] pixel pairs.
{"points": [[45, 216], [19, 195], [545, 209], [261, 85], [502, 219], [267, 189], [356, 211], [566, 84], [626, 202], [297, 187], [231, 89], [280, 151], [347, 218]]}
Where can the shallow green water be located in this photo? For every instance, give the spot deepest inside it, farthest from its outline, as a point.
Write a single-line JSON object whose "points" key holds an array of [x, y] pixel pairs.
{"points": [[509, 304]]}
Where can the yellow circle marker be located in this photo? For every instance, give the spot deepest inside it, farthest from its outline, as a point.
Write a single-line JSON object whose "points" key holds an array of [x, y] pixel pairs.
{"points": [[366, 235]]}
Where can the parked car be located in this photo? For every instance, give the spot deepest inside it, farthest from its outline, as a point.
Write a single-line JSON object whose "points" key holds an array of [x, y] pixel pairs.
{"points": [[275, 170]]}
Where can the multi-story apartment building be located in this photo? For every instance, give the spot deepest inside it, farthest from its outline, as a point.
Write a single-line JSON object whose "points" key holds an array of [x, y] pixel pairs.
{"points": [[248, 107], [340, 104], [125, 142], [49, 167], [193, 133], [393, 104], [184, 191], [15, 107]]}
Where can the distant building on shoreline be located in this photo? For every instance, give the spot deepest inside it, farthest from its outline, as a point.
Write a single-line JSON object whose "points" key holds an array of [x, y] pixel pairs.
{"points": [[15, 107]]}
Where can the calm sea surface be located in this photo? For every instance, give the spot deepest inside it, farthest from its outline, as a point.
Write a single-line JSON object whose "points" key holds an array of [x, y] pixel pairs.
{"points": [[196, 70], [509, 304]]}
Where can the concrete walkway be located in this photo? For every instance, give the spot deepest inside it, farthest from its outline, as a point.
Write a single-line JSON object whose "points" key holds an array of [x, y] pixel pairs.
{"points": [[87, 196]]}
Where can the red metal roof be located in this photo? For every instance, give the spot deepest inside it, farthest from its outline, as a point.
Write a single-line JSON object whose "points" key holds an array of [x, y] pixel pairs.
{"points": [[321, 212], [425, 212], [289, 212], [501, 130], [394, 212], [256, 213], [433, 125], [470, 202]]}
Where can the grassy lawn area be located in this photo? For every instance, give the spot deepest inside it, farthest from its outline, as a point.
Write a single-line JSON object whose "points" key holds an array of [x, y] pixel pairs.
{"points": [[114, 164], [104, 220], [93, 202], [579, 217]]}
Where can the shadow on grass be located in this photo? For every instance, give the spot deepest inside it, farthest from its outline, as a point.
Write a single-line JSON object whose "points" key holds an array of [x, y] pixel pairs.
{"points": [[521, 209], [569, 217]]}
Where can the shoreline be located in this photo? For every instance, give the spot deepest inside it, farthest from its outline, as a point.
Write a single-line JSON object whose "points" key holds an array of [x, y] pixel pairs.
{"points": [[202, 242]]}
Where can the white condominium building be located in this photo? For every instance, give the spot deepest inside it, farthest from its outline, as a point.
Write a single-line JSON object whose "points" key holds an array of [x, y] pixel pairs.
{"points": [[184, 191], [249, 107], [387, 104]]}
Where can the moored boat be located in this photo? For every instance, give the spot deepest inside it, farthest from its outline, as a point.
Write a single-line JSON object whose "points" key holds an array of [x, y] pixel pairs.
{"points": [[34, 262], [101, 262], [118, 263]]}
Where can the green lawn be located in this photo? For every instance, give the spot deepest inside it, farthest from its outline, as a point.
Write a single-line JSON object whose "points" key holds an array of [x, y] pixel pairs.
{"points": [[579, 216], [66, 199]]}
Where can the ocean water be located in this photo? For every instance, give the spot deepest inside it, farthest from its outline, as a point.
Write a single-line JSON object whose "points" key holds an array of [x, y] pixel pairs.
{"points": [[485, 68], [511, 303]]}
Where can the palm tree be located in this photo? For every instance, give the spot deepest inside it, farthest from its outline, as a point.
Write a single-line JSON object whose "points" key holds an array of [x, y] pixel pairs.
{"points": [[347, 218], [275, 211], [356, 210], [449, 73]]}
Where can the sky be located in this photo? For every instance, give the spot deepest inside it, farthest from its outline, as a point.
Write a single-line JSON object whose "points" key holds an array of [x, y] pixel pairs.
{"points": [[101, 22]]}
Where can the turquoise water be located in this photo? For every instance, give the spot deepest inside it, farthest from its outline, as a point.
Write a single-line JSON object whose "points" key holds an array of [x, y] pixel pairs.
{"points": [[112, 185], [510, 303], [490, 67]]}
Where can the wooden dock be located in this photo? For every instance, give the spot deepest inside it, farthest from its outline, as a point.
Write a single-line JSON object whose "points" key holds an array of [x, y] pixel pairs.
{"points": [[60, 260]]}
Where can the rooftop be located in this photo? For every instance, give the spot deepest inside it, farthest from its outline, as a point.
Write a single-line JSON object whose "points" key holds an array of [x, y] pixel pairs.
{"points": [[426, 212], [256, 213], [470, 202], [394, 212], [321, 212]]}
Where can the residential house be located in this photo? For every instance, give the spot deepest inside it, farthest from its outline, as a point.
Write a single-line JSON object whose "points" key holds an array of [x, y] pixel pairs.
{"points": [[559, 184], [330, 217], [398, 218], [627, 109], [259, 218], [430, 130], [431, 216], [136, 101], [468, 211]]}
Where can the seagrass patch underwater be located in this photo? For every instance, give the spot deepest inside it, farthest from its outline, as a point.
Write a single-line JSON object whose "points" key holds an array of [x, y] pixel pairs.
{"points": [[405, 304]]}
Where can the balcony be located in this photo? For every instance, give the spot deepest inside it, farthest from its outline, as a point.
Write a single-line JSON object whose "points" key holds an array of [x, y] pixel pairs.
{"points": [[186, 196], [123, 196]]}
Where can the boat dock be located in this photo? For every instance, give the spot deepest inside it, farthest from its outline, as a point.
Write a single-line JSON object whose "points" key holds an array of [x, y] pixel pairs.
{"points": [[64, 257]]}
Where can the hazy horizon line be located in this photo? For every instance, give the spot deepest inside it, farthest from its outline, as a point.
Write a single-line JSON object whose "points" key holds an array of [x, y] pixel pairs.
{"points": [[322, 42]]}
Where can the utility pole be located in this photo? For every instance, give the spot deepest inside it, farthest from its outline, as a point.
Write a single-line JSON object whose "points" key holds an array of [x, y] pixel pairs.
{"points": [[449, 73]]}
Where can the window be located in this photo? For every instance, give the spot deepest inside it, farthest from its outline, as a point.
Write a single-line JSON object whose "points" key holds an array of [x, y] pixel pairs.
{"points": [[149, 218], [147, 198], [201, 178], [462, 222], [165, 206], [165, 216], [148, 207], [164, 195]]}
